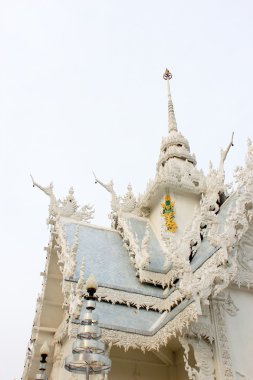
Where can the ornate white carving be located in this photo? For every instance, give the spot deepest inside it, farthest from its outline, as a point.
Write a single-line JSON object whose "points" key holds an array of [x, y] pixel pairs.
{"points": [[215, 182], [205, 224], [109, 187], [130, 242], [139, 255], [203, 356], [68, 207], [75, 303], [229, 306], [70, 257], [212, 277], [221, 269], [57, 358], [128, 202], [144, 258], [61, 331], [202, 328], [128, 340], [75, 299], [238, 227], [241, 376], [38, 310], [139, 300], [222, 342], [184, 176], [156, 278], [244, 275]]}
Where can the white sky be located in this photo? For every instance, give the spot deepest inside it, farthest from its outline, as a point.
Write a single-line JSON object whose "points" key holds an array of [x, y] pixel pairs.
{"points": [[81, 89]]}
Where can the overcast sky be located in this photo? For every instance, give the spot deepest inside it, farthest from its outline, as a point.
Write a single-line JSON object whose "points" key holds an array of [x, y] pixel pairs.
{"points": [[81, 89]]}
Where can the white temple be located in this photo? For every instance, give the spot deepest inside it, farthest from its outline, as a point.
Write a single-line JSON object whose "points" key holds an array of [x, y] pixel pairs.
{"points": [[174, 274]]}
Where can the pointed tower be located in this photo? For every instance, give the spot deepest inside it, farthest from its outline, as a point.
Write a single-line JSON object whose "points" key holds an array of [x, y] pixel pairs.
{"points": [[177, 182], [175, 144]]}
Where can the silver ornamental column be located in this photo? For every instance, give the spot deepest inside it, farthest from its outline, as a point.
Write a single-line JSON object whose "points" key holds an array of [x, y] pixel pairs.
{"points": [[88, 352]]}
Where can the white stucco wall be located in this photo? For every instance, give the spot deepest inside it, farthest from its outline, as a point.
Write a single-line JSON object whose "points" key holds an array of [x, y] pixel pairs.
{"points": [[240, 332]]}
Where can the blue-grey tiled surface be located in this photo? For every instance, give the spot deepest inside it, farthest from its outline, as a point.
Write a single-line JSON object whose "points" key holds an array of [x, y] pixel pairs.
{"points": [[124, 317], [205, 251], [107, 259]]}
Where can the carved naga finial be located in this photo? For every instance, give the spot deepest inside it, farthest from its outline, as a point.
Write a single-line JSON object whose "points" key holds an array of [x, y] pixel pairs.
{"points": [[53, 206], [68, 207], [224, 153], [108, 186], [171, 114], [47, 190], [110, 189]]}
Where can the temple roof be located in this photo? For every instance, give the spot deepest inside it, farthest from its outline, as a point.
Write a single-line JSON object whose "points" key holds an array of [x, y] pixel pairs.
{"points": [[130, 298], [106, 257], [126, 303]]}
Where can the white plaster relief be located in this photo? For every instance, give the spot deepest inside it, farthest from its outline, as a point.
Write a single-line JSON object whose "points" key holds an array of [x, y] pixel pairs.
{"points": [[202, 328], [70, 256], [229, 306], [68, 207], [75, 299], [61, 331], [212, 277], [222, 341], [119, 204], [129, 241], [244, 276], [203, 356], [139, 255], [139, 300], [241, 376]]}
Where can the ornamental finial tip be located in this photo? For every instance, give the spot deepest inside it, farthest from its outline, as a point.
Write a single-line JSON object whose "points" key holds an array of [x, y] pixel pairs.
{"points": [[167, 74]]}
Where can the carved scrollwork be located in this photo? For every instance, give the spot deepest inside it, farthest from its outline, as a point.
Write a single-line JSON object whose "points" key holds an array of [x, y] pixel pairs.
{"points": [[229, 306], [222, 342], [203, 356], [139, 300]]}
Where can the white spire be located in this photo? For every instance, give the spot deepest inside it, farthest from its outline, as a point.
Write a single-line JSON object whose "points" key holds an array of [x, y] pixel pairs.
{"points": [[171, 115]]}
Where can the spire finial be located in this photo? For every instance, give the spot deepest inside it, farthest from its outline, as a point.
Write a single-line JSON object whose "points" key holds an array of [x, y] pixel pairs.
{"points": [[171, 115]]}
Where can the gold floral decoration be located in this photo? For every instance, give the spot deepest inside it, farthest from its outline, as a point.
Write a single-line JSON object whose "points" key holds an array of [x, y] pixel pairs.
{"points": [[168, 214]]}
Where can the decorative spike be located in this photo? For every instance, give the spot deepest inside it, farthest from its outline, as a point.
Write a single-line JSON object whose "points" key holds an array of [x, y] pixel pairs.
{"points": [[171, 114]]}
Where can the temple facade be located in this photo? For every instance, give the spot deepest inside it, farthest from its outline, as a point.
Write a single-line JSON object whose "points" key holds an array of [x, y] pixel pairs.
{"points": [[174, 274]]}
